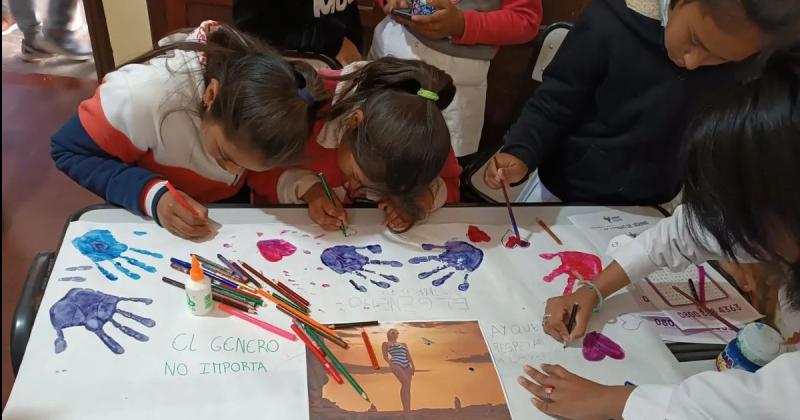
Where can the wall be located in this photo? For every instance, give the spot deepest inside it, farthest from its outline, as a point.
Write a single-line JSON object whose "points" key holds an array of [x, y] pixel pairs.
{"points": [[128, 28]]}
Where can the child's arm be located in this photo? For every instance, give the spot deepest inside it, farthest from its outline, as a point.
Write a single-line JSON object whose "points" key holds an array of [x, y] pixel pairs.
{"points": [[567, 91], [517, 22]]}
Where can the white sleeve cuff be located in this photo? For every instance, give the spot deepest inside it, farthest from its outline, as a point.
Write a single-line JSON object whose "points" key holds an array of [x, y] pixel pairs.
{"points": [[439, 190], [648, 402], [151, 194], [634, 259], [293, 184]]}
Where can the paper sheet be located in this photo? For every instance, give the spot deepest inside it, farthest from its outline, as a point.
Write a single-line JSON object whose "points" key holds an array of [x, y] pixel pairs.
{"points": [[176, 365], [602, 227]]}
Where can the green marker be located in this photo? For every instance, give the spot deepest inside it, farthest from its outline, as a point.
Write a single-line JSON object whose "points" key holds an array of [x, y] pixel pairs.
{"points": [[336, 363], [330, 197]]}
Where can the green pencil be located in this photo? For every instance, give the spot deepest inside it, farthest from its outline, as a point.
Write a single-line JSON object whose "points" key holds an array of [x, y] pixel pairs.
{"points": [[238, 296], [330, 197], [288, 302], [336, 363]]}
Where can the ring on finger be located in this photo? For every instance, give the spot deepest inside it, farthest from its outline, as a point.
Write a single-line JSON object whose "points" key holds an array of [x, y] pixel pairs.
{"points": [[544, 319]]}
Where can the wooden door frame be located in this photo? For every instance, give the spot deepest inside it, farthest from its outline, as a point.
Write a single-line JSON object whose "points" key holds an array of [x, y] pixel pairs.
{"points": [[98, 32]]}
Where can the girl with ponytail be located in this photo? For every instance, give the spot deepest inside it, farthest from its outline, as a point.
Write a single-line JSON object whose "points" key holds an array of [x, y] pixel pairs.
{"points": [[384, 140], [202, 112]]}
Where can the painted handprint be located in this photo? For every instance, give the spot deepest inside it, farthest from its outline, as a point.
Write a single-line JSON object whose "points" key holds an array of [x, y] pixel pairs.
{"points": [[575, 265], [92, 310], [345, 259], [100, 245], [457, 256]]}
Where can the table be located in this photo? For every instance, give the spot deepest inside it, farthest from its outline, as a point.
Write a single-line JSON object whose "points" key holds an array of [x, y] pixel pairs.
{"points": [[480, 214]]}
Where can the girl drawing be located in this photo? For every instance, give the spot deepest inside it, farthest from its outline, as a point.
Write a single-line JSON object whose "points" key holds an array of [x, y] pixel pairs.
{"points": [[402, 365]]}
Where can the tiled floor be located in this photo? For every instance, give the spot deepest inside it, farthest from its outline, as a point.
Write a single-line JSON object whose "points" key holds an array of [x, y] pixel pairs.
{"points": [[37, 199]]}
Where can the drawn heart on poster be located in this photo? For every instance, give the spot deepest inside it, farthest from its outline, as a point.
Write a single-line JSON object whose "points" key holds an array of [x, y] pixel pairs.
{"points": [[596, 347], [274, 250], [475, 234]]}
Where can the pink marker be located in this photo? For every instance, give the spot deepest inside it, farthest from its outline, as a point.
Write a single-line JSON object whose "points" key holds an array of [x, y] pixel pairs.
{"points": [[701, 274], [255, 321]]}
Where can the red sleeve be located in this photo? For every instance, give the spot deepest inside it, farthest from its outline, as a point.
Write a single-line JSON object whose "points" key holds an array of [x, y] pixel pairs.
{"points": [[517, 22], [451, 174]]}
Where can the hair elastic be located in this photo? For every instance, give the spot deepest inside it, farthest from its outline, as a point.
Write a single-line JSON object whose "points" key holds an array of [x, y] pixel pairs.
{"points": [[428, 94], [306, 96]]}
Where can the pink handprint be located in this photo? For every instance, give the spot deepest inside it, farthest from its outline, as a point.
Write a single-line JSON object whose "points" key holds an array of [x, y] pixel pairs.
{"points": [[573, 263]]}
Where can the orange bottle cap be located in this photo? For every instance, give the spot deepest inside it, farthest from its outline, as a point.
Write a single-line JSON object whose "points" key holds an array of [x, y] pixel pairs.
{"points": [[196, 272]]}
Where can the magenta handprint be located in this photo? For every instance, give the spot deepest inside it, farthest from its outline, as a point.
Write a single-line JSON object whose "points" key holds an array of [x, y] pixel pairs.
{"points": [[575, 265]]}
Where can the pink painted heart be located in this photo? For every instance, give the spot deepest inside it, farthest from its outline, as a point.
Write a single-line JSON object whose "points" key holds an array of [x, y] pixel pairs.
{"points": [[275, 249], [596, 347]]}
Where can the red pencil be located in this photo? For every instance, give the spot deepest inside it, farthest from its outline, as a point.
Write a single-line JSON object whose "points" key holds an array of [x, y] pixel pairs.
{"points": [[370, 351], [317, 353], [180, 199], [293, 294]]}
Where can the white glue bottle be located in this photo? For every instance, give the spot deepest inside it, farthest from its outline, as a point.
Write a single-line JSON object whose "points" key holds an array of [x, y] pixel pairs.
{"points": [[198, 290]]}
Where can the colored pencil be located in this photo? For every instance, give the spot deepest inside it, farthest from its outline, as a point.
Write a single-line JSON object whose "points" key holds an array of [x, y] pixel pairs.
{"points": [[215, 296], [231, 267], [238, 291], [247, 276], [260, 276], [707, 309], [333, 339], [329, 193], [571, 323], [301, 316], [352, 325], [508, 205], [184, 267], [237, 296], [311, 333], [701, 273], [549, 232], [290, 303], [182, 201], [214, 266], [317, 353], [693, 290], [295, 302], [294, 294], [255, 321], [370, 350]]}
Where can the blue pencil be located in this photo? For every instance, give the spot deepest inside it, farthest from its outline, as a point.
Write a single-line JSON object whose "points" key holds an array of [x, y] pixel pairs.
{"points": [[208, 273]]}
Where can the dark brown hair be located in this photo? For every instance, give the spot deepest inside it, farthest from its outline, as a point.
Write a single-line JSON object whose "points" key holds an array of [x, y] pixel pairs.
{"points": [[778, 19], [403, 141], [258, 102]]}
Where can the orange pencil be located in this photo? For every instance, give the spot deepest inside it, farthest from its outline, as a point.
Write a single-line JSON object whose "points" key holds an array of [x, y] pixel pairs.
{"points": [[180, 199], [335, 340], [299, 315], [370, 351], [317, 353]]}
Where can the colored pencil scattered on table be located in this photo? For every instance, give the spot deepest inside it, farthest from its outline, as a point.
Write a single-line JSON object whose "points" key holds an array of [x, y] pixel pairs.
{"points": [[332, 338], [255, 321], [316, 352], [693, 290], [184, 267], [571, 323], [508, 206], [353, 324], [549, 232], [247, 276], [299, 315], [290, 303], [336, 362], [182, 201], [215, 296], [211, 265], [707, 309], [294, 295], [260, 276], [370, 350], [230, 267], [329, 193]]}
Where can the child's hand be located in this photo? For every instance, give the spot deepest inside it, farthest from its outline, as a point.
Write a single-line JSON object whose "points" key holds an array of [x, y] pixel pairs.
{"points": [[562, 394], [398, 220], [504, 169], [445, 22], [329, 215], [348, 53], [179, 221], [395, 4], [559, 308]]}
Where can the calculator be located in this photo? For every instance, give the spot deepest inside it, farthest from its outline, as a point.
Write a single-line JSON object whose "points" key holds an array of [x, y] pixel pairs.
{"points": [[662, 282]]}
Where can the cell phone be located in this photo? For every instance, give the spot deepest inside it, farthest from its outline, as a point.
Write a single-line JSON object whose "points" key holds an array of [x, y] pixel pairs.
{"points": [[402, 13]]}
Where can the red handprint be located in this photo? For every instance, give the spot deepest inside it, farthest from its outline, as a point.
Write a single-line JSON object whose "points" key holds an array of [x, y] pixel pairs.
{"points": [[573, 263]]}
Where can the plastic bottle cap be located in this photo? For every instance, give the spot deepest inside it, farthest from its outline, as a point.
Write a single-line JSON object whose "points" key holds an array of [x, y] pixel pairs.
{"points": [[760, 343], [196, 272]]}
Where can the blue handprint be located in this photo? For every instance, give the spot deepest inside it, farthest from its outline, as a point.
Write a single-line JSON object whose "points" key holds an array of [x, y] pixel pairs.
{"points": [[92, 310], [458, 256], [99, 245], [345, 259]]}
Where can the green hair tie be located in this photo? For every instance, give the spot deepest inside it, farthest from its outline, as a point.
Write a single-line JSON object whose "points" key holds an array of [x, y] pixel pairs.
{"points": [[427, 94]]}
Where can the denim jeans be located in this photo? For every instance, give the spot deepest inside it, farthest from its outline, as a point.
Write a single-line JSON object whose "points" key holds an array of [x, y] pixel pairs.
{"points": [[60, 14]]}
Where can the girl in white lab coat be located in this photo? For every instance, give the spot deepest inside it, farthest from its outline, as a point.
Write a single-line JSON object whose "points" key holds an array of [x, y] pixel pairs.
{"points": [[741, 202]]}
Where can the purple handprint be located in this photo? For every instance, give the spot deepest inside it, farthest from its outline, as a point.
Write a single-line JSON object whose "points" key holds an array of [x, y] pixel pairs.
{"points": [[458, 256], [345, 259], [92, 310]]}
